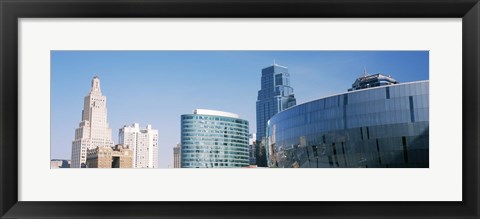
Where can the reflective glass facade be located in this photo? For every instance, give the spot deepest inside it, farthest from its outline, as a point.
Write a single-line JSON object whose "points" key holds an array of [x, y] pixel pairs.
{"points": [[210, 141], [386, 126]]}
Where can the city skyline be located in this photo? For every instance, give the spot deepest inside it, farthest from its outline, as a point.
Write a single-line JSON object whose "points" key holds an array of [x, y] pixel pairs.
{"points": [[156, 87]]}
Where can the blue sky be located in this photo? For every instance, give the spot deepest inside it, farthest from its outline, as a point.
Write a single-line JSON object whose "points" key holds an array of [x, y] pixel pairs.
{"points": [[156, 87]]}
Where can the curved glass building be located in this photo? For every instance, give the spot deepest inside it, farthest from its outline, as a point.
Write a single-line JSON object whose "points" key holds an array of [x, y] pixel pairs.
{"points": [[379, 126], [214, 139]]}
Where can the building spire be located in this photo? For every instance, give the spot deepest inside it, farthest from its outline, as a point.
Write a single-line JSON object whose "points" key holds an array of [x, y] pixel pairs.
{"points": [[365, 73], [274, 63], [96, 85]]}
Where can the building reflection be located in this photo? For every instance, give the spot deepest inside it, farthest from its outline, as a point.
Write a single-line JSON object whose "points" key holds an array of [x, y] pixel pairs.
{"points": [[380, 126]]}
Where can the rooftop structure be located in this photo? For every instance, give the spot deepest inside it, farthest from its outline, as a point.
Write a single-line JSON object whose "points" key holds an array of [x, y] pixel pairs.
{"points": [[215, 113], [368, 81]]}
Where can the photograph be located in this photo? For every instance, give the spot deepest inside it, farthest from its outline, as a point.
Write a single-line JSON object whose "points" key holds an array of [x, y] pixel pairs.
{"points": [[239, 109]]}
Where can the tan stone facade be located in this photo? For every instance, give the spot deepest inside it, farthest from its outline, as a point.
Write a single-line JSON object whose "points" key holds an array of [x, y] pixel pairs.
{"points": [[109, 157]]}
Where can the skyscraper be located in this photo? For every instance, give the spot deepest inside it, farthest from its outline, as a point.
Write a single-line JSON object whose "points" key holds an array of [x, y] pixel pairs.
{"points": [[213, 139], [176, 156], [144, 145], [93, 130], [274, 96]]}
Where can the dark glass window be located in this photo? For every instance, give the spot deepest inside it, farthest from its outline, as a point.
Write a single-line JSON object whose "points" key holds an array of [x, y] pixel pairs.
{"points": [[378, 153], [314, 149], [412, 115], [405, 149]]}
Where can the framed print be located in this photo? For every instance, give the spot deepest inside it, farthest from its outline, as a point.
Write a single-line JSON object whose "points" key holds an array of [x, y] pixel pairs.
{"points": [[208, 108]]}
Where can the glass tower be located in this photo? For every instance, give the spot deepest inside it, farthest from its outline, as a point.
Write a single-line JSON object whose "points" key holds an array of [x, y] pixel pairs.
{"points": [[274, 96], [213, 139]]}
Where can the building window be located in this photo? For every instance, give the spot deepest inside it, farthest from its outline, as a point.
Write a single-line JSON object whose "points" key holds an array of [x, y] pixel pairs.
{"points": [[405, 148]]}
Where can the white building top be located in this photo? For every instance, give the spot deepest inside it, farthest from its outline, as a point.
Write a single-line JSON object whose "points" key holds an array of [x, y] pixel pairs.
{"points": [[275, 64], [135, 127], [215, 113]]}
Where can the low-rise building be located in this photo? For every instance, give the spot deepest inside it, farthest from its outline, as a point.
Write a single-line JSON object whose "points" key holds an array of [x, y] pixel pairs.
{"points": [[58, 163]]}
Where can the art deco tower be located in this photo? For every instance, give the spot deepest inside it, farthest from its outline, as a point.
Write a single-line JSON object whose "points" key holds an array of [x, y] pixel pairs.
{"points": [[93, 130]]}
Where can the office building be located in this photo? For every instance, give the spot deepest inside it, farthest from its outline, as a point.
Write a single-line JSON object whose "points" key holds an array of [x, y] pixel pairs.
{"points": [[57, 163], [109, 157], [93, 130], [275, 95], [370, 126], [143, 143], [213, 139], [251, 149], [176, 157]]}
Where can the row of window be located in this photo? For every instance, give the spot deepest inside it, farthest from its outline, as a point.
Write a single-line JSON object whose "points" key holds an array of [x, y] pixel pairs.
{"points": [[207, 157], [213, 127], [210, 165], [200, 150], [220, 137]]}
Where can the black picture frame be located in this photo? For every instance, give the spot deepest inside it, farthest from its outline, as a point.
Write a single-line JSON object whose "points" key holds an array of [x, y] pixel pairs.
{"points": [[12, 10]]}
